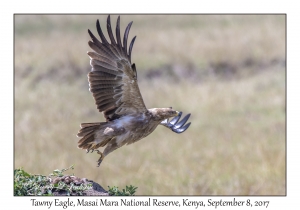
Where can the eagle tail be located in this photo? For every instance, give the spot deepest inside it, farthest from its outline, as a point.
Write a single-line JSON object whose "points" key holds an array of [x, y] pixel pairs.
{"points": [[87, 132]]}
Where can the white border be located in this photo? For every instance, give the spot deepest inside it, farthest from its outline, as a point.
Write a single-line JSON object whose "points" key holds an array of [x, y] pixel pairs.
{"points": [[8, 201]]}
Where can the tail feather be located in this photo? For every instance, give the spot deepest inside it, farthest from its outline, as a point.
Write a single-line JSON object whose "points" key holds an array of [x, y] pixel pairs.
{"points": [[87, 142], [84, 125], [86, 138], [87, 132]]}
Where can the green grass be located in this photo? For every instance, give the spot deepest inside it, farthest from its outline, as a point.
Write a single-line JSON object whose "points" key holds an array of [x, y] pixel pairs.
{"points": [[128, 191], [40, 185], [236, 143]]}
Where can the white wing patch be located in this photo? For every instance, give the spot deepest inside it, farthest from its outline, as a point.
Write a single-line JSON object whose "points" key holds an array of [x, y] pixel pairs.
{"points": [[124, 121]]}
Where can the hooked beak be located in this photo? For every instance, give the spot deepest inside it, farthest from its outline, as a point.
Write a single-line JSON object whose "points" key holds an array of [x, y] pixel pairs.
{"points": [[177, 113]]}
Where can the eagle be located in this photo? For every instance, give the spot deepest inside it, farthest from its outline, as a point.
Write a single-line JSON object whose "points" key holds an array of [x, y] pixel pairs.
{"points": [[113, 83]]}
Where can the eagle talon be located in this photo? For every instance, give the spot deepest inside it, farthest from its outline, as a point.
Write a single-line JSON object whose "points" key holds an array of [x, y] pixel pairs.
{"points": [[99, 162]]}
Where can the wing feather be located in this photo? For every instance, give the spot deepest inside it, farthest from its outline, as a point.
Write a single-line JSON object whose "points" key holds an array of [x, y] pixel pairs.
{"points": [[130, 48], [102, 51], [103, 39], [109, 31], [119, 44], [113, 79], [126, 37]]}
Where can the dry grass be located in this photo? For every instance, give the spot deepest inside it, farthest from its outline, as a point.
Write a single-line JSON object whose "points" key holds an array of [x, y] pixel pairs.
{"points": [[236, 143]]}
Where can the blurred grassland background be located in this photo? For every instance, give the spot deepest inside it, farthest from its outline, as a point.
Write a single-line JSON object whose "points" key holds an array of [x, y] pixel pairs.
{"points": [[227, 70]]}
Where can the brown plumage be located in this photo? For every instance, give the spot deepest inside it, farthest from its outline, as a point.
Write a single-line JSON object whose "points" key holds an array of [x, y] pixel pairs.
{"points": [[113, 83]]}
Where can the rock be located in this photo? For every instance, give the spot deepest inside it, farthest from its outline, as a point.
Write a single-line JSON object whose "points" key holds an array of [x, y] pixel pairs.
{"points": [[95, 190]]}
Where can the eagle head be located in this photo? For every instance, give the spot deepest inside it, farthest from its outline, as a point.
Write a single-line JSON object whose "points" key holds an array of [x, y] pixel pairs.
{"points": [[160, 114]]}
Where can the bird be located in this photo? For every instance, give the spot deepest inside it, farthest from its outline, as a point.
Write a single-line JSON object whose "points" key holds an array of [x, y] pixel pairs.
{"points": [[114, 85]]}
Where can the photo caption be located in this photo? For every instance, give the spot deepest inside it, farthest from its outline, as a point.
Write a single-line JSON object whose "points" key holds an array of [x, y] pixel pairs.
{"points": [[193, 203]]}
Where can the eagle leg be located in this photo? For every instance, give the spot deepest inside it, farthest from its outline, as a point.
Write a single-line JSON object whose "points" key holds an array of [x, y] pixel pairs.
{"points": [[175, 126], [101, 157]]}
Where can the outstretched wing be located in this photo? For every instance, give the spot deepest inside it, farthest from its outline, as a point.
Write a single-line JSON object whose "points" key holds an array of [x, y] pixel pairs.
{"points": [[113, 80], [175, 126]]}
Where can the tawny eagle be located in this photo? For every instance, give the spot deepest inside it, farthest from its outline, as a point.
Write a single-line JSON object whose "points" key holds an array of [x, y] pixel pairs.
{"points": [[113, 82]]}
